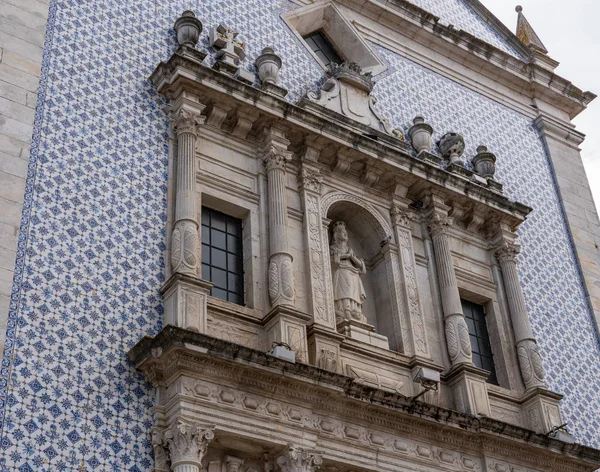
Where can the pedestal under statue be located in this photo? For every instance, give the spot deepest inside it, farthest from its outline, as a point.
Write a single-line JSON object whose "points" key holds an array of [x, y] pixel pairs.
{"points": [[346, 267]]}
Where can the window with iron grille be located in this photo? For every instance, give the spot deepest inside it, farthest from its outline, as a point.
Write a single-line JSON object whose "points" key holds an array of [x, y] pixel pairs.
{"points": [[322, 48], [480, 339], [222, 260]]}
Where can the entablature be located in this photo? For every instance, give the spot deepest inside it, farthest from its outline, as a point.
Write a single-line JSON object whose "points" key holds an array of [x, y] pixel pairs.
{"points": [[177, 353], [374, 157]]}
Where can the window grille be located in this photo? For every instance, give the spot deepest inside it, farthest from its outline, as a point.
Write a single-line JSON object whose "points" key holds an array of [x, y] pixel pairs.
{"points": [[480, 339], [222, 258], [322, 48]]}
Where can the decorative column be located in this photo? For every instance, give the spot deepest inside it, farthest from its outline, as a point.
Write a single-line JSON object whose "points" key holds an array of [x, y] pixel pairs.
{"points": [[417, 337], [457, 333], [185, 241], [187, 445], [185, 294], [284, 324], [281, 274], [467, 382], [323, 339], [528, 353], [295, 459]]}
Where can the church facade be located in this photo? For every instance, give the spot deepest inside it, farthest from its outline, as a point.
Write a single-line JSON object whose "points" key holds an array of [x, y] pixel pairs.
{"points": [[295, 235]]}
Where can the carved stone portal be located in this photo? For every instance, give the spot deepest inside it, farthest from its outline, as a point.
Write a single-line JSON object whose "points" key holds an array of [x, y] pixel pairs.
{"points": [[346, 268]]}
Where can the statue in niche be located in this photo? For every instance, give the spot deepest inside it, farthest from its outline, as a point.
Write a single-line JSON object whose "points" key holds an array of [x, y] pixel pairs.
{"points": [[346, 267]]}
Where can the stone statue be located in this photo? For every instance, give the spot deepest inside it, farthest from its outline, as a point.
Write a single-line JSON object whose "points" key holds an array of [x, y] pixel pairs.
{"points": [[346, 268]]}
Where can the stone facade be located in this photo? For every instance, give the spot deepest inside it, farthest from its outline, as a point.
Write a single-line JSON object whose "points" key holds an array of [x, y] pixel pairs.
{"points": [[123, 166], [22, 37]]}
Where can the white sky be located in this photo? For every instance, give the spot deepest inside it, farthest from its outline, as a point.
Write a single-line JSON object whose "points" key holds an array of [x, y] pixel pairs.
{"points": [[571, 33]]}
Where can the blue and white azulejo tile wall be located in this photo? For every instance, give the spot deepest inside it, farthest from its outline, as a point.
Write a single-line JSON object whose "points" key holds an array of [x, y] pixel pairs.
{"points": [[90, 259]]}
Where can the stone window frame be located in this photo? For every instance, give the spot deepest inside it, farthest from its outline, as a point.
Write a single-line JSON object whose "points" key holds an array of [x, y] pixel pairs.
{"points": [[247, 212], [499, 328], [341, 33]]}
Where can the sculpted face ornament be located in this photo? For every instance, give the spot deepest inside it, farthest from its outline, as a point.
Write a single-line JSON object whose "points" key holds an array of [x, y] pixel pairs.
{"points": [[348, 291]]}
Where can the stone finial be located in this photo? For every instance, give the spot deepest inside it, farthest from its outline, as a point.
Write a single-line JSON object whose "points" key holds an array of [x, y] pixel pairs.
{"points": [[420, 134], [526, 33], [452, 146], [188, 29], [268, 65], [484, 163]]}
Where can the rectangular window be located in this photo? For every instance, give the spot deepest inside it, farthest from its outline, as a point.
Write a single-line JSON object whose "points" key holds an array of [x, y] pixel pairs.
{"points": [[222, 259], [480, 339], [322, 48]]}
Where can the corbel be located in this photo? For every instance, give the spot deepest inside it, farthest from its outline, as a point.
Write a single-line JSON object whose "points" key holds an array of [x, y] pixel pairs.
{"points": [[217, 115], [244, 120]]}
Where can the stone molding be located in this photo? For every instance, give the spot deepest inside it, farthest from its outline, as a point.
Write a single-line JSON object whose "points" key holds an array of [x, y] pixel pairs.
{"points": [[217, 369], [169, 77], [296, 459]]}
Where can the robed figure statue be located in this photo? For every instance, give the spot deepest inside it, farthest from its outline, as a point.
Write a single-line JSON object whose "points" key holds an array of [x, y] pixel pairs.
{"points": [[346, 267]]}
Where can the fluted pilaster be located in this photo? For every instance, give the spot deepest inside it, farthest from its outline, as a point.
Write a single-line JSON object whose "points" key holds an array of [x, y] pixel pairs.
{"points": [[185, 240], [530, 361], [187, 444], [457, 333], [281, 275]]}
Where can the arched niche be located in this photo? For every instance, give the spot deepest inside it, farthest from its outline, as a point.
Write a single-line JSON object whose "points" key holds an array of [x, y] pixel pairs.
{"points": [[368, 232]]}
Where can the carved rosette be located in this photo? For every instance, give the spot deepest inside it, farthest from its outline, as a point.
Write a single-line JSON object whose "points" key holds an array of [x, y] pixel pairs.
{"points": [[530, 362], [457, 338], [296, 459], [187, 443]]}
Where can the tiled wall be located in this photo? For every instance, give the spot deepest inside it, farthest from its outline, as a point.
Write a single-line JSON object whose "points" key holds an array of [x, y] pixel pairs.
{"points": [[93, 232]]}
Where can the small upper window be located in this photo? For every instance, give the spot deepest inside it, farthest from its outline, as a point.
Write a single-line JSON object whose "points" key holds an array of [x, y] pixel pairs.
{"points": [[222, 262], [322, 48], [480, 339]]}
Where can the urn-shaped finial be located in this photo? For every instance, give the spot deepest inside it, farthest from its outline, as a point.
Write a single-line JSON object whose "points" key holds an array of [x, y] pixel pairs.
{"points": [[420, 134], [268, 65], [452, 146], [188, 29], [484, 163]]}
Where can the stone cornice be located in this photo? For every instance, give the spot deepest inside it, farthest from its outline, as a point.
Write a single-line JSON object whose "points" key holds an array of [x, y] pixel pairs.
{"points": [[523, 76], [175, 351], [184, 71]]}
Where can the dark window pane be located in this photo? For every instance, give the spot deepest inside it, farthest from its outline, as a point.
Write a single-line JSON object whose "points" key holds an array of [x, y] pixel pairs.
{"points": [[218, 220], [218, 258], [217, 292], [206, 234], [480, 339], [222, 262], [321, 55], [217, 239], [232, 244], [205, 217], [219, 278], [234, 264], [234, 282], [205, 254], [234, 227], [311, 42], [322, 48]]}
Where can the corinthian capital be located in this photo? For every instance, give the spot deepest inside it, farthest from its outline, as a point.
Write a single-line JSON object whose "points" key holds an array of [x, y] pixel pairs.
{"points": [[296, 459], [310, 180], [400, 217], [187, 442], [275, 157], [507, 251], [186, 120], [439, 224]]}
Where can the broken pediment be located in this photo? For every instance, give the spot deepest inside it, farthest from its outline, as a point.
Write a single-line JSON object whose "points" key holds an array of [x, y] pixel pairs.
{"points": [[347, 91]]}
